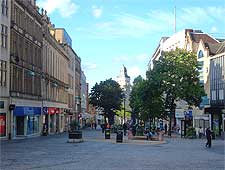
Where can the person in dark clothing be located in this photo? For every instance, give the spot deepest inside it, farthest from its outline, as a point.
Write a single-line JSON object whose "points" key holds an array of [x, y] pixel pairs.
{"points": [[209, 138], [165, 127], [103, 127], [133, 130], [125, 129]]}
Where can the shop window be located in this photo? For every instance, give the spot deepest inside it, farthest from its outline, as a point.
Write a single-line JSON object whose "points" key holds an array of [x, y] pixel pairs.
{"points": [[32, 124], [2, 124], [221, 94]]}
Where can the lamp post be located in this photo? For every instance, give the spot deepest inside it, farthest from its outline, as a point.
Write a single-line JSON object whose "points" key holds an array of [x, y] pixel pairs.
{"points": [[124, 109]]}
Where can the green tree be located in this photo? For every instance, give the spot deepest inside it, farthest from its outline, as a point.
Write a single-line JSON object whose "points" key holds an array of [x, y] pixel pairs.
{"points": [[146, 99], [177, 75], [135, 99], [107, 95]]}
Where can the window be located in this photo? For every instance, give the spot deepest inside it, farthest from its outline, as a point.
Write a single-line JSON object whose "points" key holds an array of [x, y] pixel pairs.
{"points": [[3, 71], [213, 96], [5, 7], [221, 94], [4, 36], [200, 54]]}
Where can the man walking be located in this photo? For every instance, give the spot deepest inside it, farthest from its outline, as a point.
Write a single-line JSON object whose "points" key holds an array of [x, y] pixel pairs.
{"points": [[209, 138]]}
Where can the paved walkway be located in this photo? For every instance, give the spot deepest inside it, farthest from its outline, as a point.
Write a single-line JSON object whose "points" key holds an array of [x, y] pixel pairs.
{"points": [[54, 153]]}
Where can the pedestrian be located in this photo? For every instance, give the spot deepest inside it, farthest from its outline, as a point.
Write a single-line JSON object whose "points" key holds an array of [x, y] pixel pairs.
{"points": [[125, 129], [103, 127], [209, 138], [95, 126], [165, 127], [133, 130]]}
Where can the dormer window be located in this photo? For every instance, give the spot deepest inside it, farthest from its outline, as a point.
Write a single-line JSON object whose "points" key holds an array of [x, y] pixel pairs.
{"points": [[200, 54]]}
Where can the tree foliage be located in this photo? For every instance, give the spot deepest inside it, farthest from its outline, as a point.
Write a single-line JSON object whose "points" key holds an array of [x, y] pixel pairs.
{"points": [[145, 99], [107, 95], [173, 78], [176, 74]]}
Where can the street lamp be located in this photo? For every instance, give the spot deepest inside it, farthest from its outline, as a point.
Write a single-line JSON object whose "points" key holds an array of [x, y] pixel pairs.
{"points": [[124, 116]]}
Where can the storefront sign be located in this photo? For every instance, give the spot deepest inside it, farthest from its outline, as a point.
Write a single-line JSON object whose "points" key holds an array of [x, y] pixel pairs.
{"points": [[53, 110], [22, 111], [2, 125]]}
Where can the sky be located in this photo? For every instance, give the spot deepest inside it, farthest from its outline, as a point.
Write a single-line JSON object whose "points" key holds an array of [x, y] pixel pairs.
{"points": [[107, 34]]}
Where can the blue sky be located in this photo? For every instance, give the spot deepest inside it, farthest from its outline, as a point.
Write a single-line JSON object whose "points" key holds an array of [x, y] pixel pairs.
{"points": [[109, 33]]}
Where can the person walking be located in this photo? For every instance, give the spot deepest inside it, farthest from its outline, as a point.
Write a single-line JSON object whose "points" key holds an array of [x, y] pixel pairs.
{"points": [[125, 129], [209, 138], [165, 127]]}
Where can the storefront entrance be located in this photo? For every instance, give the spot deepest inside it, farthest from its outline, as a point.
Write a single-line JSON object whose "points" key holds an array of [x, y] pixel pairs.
{"points": [[19, 125]]}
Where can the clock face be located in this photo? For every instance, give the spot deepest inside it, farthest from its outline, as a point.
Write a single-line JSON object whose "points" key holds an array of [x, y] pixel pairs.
{"points": [[200, 54]]}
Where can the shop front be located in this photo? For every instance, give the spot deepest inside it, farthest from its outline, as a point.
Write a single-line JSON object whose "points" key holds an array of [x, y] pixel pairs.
{"points": [[4, 118], [2, 124], [26, 120], [216, 119], [56, 119]]}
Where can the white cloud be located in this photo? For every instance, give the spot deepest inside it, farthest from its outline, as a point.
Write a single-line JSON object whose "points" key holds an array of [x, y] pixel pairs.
{"points": [[141, 57], [134, 71], [156, 21], [214, 29], [65, 8], [97, 12], [121, 59], [89, 66], [198, 16]]}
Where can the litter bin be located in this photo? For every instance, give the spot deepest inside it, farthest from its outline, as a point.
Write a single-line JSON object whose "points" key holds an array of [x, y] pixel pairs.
{"points": [[119, 136], [107, 133]]}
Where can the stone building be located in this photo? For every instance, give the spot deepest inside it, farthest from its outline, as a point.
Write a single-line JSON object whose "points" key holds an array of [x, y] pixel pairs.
{"points": [[77, 85], [56, 64], [65, 41], [25, 68], [5, 11]]}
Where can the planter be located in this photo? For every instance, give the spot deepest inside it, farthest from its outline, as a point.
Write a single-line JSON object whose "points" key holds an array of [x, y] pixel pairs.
{"points": [[75, 136]]}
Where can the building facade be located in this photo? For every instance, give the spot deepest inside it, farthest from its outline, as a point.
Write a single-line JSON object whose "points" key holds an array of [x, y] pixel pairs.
{"points": [[217, 89], [25, 68], [38, 88], [55, 82], [65, 41], [5, 11], [77, 86]]}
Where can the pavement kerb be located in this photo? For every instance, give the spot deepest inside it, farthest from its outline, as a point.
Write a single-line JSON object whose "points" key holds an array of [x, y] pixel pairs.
{"points": [[126, 141]]}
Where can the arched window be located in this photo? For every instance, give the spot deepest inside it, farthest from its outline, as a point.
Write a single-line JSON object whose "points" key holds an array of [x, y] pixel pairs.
{"points": [[200, 54]]}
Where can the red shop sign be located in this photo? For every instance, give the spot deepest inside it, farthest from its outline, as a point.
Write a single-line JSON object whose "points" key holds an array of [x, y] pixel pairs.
{"points": [[53, 110], [2, 125]]}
